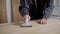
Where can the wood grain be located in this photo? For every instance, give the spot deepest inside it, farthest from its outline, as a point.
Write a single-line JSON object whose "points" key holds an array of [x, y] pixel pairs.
{"points": [[3, 15], [52, 27], [15, 11]]}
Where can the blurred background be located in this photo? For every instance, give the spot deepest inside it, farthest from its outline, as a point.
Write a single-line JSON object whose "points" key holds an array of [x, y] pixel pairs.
{"points": [[10, 20], [9, 10]]}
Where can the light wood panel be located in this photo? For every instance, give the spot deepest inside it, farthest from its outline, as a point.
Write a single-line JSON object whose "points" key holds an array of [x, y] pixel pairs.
{"points": [[52, 27], [15, 11], [3, 16]]}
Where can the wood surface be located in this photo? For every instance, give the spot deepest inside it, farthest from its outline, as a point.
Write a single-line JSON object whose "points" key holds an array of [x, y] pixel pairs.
{"points": [[52, 27], [3, 15], [16, 17]]}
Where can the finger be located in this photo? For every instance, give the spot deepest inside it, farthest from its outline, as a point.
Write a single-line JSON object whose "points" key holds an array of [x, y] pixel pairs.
{"points": [[44, 22], [41, 22]]}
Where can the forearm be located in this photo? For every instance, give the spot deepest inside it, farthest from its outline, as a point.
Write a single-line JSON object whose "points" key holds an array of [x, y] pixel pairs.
{"points": [[24, 7], [24, 12], [49, 10]]}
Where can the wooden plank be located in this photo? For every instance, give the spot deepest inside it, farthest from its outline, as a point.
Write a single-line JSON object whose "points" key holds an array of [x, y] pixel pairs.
{"points": [[52, 27], [3, 16], [16, 17]]}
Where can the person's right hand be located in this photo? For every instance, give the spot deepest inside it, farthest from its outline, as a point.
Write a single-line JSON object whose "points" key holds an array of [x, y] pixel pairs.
{"points": [[26, 17]]}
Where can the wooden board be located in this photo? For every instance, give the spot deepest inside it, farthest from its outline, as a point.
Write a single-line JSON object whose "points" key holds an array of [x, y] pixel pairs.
{"points": [[16, 17], [3, 15], [52, 27]]}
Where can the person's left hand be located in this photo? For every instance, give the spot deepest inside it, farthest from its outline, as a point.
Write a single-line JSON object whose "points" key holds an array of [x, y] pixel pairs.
{"points": [[42, 21]]}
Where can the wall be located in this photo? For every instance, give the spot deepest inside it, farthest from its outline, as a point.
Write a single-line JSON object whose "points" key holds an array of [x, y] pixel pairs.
{"points": [[3, 16], [8, 7], [15, 11]]}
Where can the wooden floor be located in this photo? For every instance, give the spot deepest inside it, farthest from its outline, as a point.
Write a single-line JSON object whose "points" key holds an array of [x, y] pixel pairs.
{"points": [[52, 27]]}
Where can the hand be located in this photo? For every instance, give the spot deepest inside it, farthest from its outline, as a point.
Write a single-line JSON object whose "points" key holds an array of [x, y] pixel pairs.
{"points": [[42, 21], [26, 17]]}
